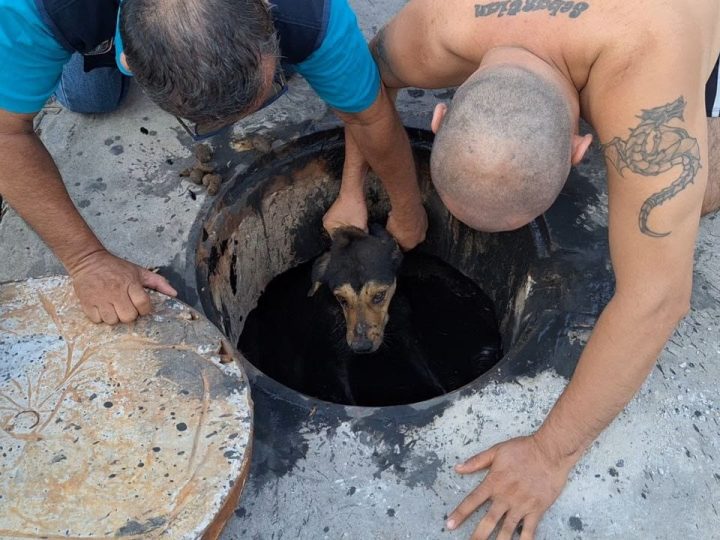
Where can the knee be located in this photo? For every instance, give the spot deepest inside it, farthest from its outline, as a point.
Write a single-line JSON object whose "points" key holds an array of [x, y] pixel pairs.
{"points": [[98, 91]]}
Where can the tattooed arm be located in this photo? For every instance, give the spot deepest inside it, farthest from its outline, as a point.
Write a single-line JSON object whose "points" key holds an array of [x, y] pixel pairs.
{"points": [[656, 155], [656, 152]]}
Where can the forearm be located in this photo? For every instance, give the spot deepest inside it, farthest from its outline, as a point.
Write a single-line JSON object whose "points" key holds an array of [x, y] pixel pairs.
{"points": [[354, 169], [616, 361], [31, 184], [382, 140]]}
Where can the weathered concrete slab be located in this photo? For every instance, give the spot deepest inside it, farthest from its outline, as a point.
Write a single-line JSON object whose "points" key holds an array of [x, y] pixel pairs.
{"points": [[138, 431], [653, 474]]}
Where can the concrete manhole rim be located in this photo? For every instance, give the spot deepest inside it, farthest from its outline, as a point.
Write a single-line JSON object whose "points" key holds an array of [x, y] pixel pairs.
{"points": [[549, 251]]}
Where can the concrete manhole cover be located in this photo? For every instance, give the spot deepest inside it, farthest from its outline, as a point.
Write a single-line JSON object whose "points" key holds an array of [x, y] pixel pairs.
{"points": [[136, 431]]}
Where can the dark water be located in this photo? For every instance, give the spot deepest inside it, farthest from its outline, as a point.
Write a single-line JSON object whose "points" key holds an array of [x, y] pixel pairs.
{"points": [[442, 334]]}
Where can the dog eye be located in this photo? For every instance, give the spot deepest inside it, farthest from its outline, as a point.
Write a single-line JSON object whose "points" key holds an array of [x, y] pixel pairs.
{"points": [[342, 300], [379, 297]]}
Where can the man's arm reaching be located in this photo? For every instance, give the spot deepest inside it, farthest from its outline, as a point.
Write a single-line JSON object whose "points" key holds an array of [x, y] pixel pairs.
{"points": [[109, 288], [378, 136]]}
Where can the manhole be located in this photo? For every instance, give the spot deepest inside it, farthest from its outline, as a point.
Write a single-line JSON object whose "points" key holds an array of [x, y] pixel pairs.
{"points": [[268, 222], [442, 334]]}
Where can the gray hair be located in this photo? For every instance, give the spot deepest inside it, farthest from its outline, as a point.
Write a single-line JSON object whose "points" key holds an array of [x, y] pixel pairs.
{"points": [[503, 151], [199, 59]]}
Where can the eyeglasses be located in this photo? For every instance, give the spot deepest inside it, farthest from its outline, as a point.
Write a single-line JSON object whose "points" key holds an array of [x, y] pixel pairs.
{"points": [[199, 131]]}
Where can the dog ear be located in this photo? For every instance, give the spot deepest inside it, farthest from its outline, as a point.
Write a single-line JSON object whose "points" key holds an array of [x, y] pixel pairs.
{"points": [[378, 231], [318, 272], [396, 257], [343, 236]]}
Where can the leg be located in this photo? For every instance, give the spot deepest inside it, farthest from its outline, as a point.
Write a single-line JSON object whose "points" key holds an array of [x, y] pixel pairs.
{"points": [[98, 91], [712, 192]]}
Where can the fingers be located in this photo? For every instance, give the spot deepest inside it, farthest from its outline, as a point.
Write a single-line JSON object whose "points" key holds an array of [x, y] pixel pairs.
{"points": [[509, 525], [107, 314], [489, 522], [92, 313], [530, 523], [140, 298], [126, 311], [472, 502], [478, 462], [151, 280]]}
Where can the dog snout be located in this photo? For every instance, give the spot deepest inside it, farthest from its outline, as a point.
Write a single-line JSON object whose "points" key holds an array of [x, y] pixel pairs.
{"points": [[362, 345], [361, 330]]}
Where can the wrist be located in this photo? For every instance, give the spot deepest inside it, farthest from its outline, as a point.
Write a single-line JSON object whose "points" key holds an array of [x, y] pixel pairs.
{"points": [[557, 448], [79, 259], [410, 205]]}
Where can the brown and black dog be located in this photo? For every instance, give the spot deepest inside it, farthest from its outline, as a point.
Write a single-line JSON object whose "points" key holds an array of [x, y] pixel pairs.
{"points": [[361, 271]]}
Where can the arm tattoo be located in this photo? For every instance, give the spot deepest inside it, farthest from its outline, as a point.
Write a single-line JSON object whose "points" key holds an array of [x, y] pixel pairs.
{"points": [[377, 47], [654, 147], [513, 7]]}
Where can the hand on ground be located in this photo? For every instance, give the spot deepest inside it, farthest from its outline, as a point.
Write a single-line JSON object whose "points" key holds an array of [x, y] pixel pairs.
{"points": [[111, 290], [408, 227], [521, 484], [346, 211]]}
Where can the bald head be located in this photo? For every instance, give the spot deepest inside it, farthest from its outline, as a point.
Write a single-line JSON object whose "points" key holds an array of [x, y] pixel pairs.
{"points": [[502, 153]]}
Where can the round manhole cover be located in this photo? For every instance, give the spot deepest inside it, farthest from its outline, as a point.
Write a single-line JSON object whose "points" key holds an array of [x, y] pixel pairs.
{"points": [[135, 431]]}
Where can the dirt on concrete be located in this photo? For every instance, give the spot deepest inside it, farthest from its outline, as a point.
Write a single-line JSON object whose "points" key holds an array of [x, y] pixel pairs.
{"points": [[204, 171]]}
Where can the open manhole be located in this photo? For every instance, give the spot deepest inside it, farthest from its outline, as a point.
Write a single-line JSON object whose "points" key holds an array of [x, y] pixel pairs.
{"points": [[257, 243]]}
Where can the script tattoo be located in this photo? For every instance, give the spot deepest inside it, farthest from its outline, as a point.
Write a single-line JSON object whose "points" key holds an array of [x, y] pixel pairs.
{"points": [[513, 7], [655, 147]]}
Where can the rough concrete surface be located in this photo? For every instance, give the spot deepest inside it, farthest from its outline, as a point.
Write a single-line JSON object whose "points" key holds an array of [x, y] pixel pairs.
{"points": [[653, 473]]}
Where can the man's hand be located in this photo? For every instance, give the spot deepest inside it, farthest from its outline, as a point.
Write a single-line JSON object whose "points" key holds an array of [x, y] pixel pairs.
{"points": [[346, 211], [111, 289], [522, 483], [408, 226]]}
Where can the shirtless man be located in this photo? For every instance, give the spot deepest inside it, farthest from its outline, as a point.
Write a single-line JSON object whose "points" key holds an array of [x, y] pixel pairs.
{"points": [[527, 70]]}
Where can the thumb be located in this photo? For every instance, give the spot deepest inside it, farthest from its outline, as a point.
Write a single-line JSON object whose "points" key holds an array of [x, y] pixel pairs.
{"points": [[478, 462], [154, 281]]}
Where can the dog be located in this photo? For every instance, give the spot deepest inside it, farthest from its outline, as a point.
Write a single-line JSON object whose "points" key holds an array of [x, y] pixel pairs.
{"points": [[360, 269], [377, 327]]}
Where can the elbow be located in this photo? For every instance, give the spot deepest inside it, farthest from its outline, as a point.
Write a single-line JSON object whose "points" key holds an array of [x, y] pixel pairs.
{"points": [[663, 309], [675, 309]]}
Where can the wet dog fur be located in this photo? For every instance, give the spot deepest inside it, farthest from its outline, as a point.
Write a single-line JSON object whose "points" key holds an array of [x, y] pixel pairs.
{"points": [[360, 270]]}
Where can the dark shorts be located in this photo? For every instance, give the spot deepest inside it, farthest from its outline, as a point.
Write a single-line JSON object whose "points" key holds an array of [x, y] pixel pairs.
{"points": [[712, 93]]}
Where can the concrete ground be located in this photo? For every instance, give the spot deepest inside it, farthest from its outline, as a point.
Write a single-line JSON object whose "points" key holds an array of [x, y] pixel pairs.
{"points": [[653, 473]]}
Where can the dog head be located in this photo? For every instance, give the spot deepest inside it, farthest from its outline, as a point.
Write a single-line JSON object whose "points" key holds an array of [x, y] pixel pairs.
{"points": [[360, 269]]}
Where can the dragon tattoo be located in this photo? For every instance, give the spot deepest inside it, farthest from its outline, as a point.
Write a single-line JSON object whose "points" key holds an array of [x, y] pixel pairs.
{"points": [[653, 148]]}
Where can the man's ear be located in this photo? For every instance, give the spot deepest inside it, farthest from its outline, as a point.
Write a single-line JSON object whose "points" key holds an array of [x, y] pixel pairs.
{"points": [[123, 61], [438, 115], [318, 272], [579, 147]]}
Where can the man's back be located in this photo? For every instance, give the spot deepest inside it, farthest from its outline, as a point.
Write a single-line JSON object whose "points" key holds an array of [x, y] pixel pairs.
{"points": [[591, 42]]}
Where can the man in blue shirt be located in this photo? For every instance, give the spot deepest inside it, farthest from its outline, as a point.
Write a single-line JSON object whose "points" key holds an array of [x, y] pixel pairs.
{"points": [[210, 62]]}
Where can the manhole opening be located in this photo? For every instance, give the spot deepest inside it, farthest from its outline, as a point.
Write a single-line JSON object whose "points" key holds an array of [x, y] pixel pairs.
{"points": [[261, 236], [441, 334]]}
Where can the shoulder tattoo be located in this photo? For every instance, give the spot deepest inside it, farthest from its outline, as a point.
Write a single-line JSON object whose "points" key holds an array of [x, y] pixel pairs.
{"points": [[654, 147], [519, 7]]}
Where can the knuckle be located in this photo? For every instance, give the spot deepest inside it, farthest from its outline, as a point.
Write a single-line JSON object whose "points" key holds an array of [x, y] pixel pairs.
{"points": [[128, 318]]}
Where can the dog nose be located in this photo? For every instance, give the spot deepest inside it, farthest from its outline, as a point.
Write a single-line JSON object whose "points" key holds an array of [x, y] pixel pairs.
{"points": [[361, 329], [362, 345]]}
